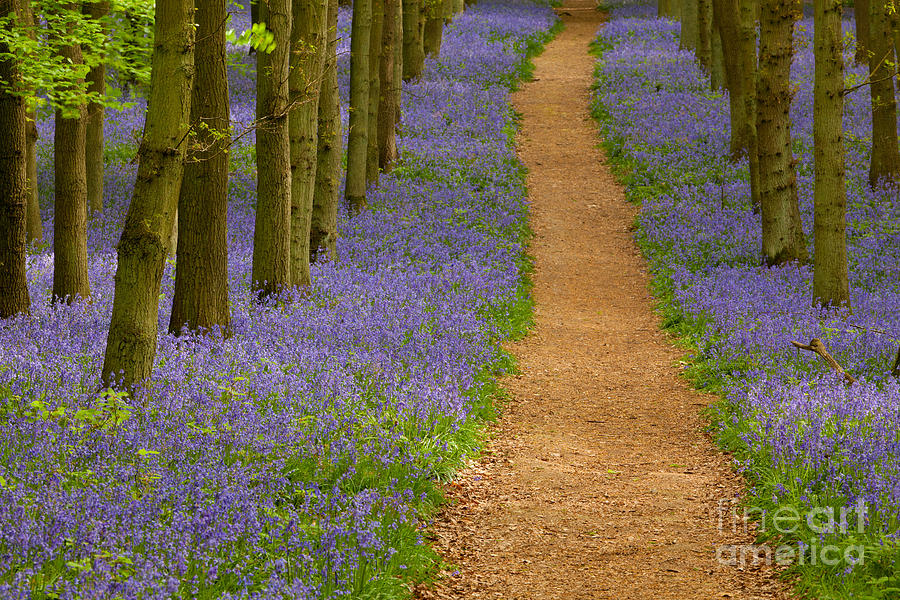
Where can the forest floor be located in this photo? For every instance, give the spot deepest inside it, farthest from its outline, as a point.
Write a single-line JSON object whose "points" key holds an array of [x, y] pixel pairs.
{"points": [[599, 480]]}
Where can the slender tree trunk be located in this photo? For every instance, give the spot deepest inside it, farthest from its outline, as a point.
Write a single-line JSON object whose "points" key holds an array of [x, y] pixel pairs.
{"points": [[861, 16], [885, 160], [830, 281], [459, 6], [782, 232], [323, 225], [131, 345], [309, 41], [727, 23], [96, 79], [70, 265], [14, 297], [413, 34], [434, 33], [717, 69], [272, 236], [704, 34], [690, 25], [749, 74], [200, 302], [357, 141], [375, 56], [398, 58], [387, 109], [34, 226]]}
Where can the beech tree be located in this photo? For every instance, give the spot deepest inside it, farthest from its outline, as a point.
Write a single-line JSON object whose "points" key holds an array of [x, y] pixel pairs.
{"points": [[70, 266], [782, 231], [690, 26], [885, 159], [861, 16], [96, 79], [357, 139], [34, 227], [748, 69], [271, 270], [200, 302], [131, 343], [389, 105], [323, 224], [413, 39], [830, 280], [376, 50], [13, 181], [726, 17], [309, 44], [433, 34]]}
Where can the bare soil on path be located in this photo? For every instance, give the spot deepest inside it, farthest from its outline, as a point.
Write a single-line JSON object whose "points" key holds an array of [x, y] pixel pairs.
{"points": [[599, 481]]}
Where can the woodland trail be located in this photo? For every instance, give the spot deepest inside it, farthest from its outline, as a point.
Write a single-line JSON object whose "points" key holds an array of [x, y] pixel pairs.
{"points": [[599, 482]]}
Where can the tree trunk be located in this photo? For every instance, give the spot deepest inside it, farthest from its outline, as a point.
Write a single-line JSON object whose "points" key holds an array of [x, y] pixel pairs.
{"points": [[34, 227], [375, 54], [70, 266], [272, 236], [434, 33], [717, 68], [668, 9], [690, 26], [309, 42], [861, 14], [782, 232], [398, 58], [357, 140], [323, 225], [387, 107], [704, 34], [413, 34], [749, 72], [726, 21], [200, 302], [96, 79], [885, 160], [459, 6], [830, 281], [131, 345], [14, 297]]}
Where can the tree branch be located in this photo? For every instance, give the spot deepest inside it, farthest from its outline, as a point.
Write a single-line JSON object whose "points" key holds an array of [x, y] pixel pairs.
{"points": [[817, 346]]}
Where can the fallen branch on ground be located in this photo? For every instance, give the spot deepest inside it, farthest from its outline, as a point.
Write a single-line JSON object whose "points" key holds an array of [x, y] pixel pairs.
{"points": [[816, 345]]}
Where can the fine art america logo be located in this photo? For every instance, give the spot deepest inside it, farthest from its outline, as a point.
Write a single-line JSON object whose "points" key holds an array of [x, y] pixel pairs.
{"points": [[785, 522]]}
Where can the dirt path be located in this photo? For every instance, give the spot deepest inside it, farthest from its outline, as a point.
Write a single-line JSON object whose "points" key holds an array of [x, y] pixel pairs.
{"points": [[600, 482]]}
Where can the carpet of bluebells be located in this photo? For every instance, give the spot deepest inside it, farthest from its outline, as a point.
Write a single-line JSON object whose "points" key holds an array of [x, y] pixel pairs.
{"points": [[294, 459], [805, 439]]}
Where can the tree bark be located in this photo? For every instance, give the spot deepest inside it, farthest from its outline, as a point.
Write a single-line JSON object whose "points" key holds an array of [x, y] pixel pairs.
{"points": [[668, 9], [885, 159], [96, 79], [704, 34], [398, 58], [413, 34], [690, 26], [272, 236], [375, 55], [357, 140], [14, 297], [387, 107], [433, 33], [861, 14], [782, 232], [726, 17], [309, 41], [200, 302], [830, 280], [34, 227], [70, 266], [749, 73], [323, 225], [131, 345], [717, 68]]}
